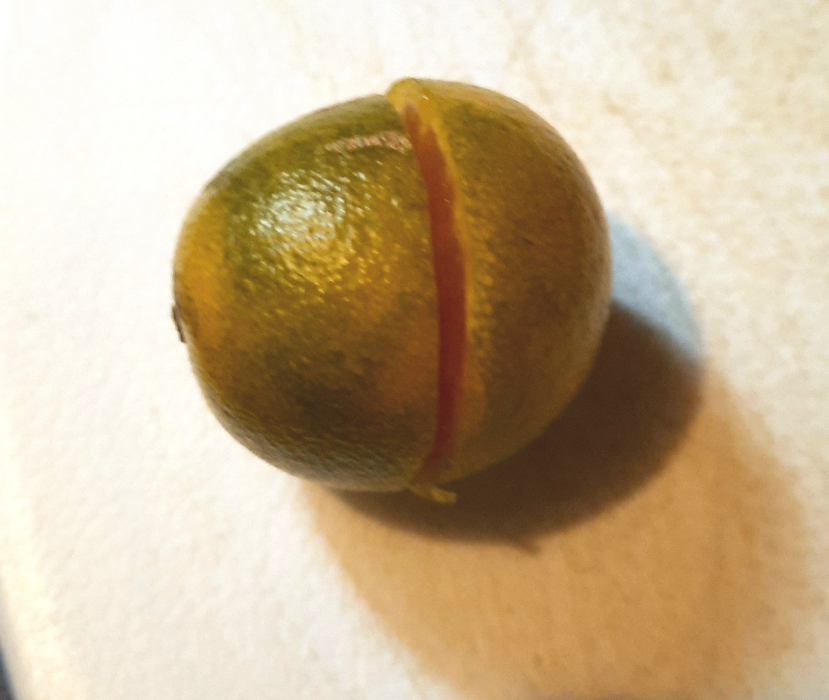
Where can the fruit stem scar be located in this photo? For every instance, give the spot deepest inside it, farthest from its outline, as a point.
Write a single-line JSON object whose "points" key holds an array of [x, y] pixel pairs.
{"points": [[450, 280]]}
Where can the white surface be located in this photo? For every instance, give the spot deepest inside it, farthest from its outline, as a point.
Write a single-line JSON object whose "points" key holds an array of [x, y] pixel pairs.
{"points": [[143, 554]]}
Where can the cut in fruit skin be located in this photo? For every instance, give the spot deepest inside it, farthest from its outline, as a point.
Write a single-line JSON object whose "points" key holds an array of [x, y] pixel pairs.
{"points": [[448, 256], [537, 265], [375, 320]]}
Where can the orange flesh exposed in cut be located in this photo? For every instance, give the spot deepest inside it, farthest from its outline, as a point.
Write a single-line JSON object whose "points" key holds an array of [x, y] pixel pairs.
{"points": [[451, 290]]}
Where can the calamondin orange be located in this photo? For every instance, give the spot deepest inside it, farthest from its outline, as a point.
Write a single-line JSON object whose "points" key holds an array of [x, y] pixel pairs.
{"points": [[397, 291]]}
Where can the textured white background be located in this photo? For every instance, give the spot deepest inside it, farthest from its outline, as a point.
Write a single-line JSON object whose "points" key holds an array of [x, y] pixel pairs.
{"points": [[143, 554]]}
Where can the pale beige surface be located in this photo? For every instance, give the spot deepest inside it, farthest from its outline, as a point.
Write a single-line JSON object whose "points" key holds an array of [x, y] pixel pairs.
{"points": [[668, 539]]}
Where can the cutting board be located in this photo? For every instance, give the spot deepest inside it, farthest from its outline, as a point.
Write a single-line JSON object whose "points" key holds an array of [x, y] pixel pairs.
{"points": [[667, 538]]}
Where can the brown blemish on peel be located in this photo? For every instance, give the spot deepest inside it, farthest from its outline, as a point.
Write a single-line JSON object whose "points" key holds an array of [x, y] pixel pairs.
{"points": [[450, 278]]}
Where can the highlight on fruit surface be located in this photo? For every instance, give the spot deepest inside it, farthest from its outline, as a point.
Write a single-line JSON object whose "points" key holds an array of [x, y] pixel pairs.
{"points": [[397, 291]]}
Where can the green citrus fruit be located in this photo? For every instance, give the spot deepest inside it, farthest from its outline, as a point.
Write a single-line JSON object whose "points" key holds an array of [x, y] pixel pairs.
{"points": [[396, 291]]}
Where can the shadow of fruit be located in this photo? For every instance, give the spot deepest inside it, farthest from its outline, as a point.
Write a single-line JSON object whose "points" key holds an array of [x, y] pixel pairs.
{"points": [[648, 547], [631, 412]]}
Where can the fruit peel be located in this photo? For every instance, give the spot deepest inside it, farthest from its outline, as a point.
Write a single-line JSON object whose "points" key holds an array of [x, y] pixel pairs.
{"points": [[305, 289]]}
